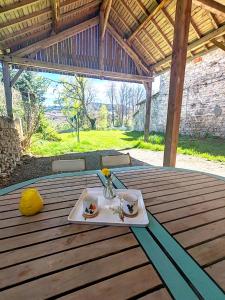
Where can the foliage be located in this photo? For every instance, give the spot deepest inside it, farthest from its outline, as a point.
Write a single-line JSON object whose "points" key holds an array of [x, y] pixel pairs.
{"points": [[46, 129], [208, 148], [103, 117], [32, 89], [74, 99]]}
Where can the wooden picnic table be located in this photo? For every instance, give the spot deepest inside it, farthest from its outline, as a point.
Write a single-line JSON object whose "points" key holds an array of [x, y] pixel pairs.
{"points": [[181, 254]]}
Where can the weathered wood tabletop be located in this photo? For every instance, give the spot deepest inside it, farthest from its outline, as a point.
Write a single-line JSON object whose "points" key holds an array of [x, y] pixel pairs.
{"points": [[44, 256]]}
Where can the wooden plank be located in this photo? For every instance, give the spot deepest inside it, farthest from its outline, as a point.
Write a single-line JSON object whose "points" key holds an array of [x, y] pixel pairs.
{"points": [[84, 274], [16, 76], [212, 6], [52, 263], [7, 89], [28, 239], [189, 210], [209, 252], [213, 196], [195, 220], [161, 294], [217, 273], [59, 245], [123, 286], [72, 69], [181, 31]]}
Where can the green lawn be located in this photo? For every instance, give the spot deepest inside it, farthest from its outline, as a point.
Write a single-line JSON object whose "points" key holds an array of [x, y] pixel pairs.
{"points": [[210, 148]]}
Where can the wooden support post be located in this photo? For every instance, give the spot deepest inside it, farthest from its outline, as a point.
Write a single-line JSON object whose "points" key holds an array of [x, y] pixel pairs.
{"points": [[148, 89], [101, 40], [7, 88], [103, 20], [179, 55]]}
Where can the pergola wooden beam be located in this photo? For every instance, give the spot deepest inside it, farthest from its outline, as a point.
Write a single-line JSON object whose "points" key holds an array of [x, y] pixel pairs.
{"points": [[7, 88], [147, 20], [16, 76], [103, 20], [181, 31], [218, 44], [198, 43], [27, 62], [106, 10], [212, 6], [55, 5], [57, 38]]}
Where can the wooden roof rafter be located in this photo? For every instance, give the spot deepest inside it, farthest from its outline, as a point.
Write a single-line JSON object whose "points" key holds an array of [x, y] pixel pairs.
{"points": [[198, 43], [212, 6], [147, 20]]}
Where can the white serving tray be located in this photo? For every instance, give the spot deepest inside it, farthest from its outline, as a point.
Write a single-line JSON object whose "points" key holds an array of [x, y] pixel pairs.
{"points": [[105, 215]]}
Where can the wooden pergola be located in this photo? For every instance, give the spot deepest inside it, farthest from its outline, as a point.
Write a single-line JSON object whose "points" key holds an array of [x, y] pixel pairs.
{"points": [[129, 40]]}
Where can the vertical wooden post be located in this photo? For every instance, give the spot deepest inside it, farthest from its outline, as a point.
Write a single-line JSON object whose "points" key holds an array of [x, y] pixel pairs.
{"points": [[148, 89], [181, 31], [7, 88], [101, 38]]}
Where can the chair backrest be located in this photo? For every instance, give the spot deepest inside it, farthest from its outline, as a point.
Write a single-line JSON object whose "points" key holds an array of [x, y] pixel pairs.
{"points": [[77, 164], [115, 160]]}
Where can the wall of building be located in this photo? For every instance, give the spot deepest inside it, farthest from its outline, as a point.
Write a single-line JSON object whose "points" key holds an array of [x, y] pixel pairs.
{"points": [[10, 146], [203, 107]]}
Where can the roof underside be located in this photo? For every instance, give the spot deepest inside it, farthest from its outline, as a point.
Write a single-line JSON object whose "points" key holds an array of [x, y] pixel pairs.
{"points": [[145, 26]]}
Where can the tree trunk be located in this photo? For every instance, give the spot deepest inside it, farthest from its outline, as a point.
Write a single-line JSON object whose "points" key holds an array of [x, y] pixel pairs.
{"points": [[148, 88]]}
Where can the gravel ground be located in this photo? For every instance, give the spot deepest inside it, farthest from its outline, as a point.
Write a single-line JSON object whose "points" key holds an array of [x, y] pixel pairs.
{"points": [[183, 161], [33, 167]]}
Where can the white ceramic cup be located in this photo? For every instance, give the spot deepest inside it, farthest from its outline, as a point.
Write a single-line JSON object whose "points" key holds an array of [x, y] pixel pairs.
{"points": [[129, 204], [90, 205]]}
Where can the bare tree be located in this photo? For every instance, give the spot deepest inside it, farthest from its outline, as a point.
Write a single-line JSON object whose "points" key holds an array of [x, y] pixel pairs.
{"points": [[111, 93]]}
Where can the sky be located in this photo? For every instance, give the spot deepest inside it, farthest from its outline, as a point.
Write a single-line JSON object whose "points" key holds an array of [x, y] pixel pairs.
{"points": [[99, 85]]}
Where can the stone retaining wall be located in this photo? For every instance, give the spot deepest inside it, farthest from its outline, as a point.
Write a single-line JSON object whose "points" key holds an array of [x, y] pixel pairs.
{"points": [[203, 107], [10, 147]]}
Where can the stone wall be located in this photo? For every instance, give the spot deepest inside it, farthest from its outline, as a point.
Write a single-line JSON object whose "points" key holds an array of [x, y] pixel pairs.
{"points": [[10, 147], [203, 107]]}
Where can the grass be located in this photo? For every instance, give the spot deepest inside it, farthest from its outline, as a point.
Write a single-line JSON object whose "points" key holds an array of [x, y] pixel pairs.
{"points": [[210, 148]]}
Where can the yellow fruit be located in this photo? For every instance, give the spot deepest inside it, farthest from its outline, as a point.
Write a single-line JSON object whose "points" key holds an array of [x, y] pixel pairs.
{"points": [[30, 202]]}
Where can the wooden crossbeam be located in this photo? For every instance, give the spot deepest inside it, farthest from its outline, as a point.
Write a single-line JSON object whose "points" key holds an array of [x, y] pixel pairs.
{"points": [[218, 44], [57, 38], [147, 20], [27, 62], [16, 76], [17, 5], [212, 6], [181, 31], [198, 43]]}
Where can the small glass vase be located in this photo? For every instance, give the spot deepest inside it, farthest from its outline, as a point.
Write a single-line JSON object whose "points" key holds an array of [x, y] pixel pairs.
{"points": [[109, 191]]}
